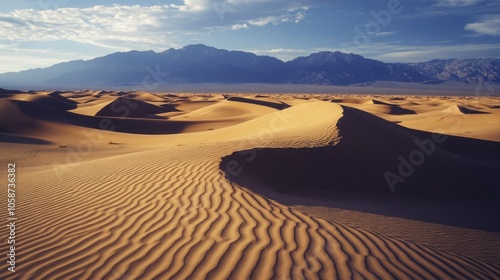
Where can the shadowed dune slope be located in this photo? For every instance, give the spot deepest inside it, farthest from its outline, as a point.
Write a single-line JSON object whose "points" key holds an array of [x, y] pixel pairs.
{"points": [[7, 138], [36, 111], [12, 119], [9, 92], [456, 109], [275, 105], [228, 109], [53, 99], [372, 155], [128, 107], [146, 96]]}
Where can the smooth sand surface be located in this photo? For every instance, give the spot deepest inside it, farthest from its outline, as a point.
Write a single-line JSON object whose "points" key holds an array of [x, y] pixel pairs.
{"points": [[134, 185]]}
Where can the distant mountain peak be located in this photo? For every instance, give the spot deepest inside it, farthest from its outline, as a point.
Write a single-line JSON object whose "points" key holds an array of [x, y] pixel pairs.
{"points": [[201, 48], [328, 57], [199, 63], [198, 47], [472, 71]]}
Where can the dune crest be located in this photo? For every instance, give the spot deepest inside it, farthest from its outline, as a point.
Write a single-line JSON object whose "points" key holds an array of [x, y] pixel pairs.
{"points": [[456, 109], [127, 107], [368, 156]]}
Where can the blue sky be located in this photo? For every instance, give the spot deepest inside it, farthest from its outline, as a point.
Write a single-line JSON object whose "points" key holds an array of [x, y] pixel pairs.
{"points": [[39, 33]]}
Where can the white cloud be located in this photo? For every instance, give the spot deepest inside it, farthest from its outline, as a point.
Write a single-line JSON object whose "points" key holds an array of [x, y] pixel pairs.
{"points": [[461, 8], [265, 20], [196, 5], [299, 17], [383, 34], [120, 27], [275, 20], [99, 25], [282, 53], [489, 25], [458, 3], [396, 52], [239, 26]]}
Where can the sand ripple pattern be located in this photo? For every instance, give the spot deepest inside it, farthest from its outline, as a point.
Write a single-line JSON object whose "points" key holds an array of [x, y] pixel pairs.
{"points": [[154, 215]]}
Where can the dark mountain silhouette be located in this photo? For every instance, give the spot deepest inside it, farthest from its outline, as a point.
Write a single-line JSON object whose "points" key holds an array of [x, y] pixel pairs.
{"points": [[471, 71], [336, 68], [204, 64]]}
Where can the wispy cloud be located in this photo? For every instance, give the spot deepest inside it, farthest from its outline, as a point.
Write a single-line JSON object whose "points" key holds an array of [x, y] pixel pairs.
{"points": [[394, 52], [383, 34], [275, 20], [458, 3], [282, 53], [112, 26], [239, 26], [441, 8], [142, 27], [488, 25]]}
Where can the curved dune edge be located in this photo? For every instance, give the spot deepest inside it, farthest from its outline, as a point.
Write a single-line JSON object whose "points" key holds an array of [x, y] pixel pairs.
{"points": [[134, 107], [457, 109], [51, 99], [367, 157], [171, 214]]}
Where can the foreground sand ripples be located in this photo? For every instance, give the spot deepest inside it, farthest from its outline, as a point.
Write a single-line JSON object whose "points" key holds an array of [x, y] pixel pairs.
{"points": [[178, 220], [171, 214]]}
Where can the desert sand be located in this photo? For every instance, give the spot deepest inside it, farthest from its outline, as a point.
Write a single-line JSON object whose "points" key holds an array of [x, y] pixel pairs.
{"points": [[136, 185]]}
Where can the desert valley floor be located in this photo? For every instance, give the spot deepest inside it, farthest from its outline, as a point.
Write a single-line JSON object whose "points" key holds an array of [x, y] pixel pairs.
{"points": [[136, 185]]}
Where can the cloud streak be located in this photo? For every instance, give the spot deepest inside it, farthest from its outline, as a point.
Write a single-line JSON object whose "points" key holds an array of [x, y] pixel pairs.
{"points": [[392, 52], [458, 3], [488, 25]]}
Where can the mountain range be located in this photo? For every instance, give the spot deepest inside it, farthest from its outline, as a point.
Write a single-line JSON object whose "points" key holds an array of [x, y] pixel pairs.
{"points": [[204, 64]]}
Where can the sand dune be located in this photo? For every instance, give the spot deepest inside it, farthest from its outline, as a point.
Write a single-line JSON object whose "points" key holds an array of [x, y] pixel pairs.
{"points": [[127, 107], [227, 109], [12, 119], [146, 96], [261, 101], [53, 100], [182, 199], [368, 147], [455, 109]]}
